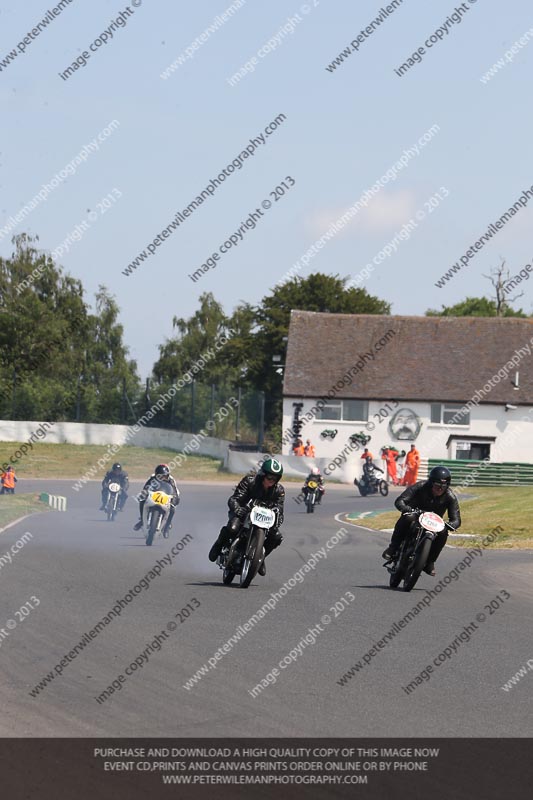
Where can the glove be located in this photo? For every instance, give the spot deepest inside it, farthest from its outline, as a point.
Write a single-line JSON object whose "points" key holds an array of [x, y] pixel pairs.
{"points": [[241, 513]]}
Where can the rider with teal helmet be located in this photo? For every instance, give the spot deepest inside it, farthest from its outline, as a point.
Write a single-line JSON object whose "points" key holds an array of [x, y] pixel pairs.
{"points": [[264, 487]]}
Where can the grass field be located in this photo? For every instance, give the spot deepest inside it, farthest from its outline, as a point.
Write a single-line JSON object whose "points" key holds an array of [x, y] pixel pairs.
{"points": [[72, 461], [14, 506], [508, 506]]}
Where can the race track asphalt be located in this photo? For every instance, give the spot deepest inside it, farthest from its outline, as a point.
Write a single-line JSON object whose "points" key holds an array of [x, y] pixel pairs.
{"points": [[78, 566]]}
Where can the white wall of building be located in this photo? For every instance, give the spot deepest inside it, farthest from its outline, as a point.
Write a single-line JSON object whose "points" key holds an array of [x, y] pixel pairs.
{"points": [[513, 430]]}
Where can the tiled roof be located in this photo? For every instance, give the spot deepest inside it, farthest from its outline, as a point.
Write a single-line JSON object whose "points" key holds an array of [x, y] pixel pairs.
{"points": [[426, 358]]}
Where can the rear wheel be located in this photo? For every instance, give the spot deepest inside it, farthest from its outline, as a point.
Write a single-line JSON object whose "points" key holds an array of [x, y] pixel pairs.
{"points": [[152, 527], [252, 558], [418, 565], [363, 491]]}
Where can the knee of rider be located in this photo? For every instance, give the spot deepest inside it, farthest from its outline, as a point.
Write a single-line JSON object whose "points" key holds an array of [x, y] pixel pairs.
{"points": [[233, 525]]}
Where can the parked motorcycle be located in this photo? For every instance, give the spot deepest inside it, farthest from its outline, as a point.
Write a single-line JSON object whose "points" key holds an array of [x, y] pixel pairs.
{"points": [[414, 552], [311, 495], [157, 509], [113, 499], [246, 553]]}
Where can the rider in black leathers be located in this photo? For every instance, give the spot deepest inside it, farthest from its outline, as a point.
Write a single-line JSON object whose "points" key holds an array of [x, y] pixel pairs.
{"points": [[369, 471], [431, 495], [115, 475], [264, 487]]}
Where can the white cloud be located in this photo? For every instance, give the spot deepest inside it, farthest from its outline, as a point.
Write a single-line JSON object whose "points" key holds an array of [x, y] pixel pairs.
{"points": [[385, 213]]}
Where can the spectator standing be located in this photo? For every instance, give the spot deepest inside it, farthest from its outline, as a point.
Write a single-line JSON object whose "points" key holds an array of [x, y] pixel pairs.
{"points": [[9, 479], [367, 454], [299, 448], [309, 449], [412, 463]]}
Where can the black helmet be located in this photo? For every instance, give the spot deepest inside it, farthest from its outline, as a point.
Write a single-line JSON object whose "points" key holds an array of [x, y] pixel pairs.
{"points": [[116, 467], [162, 472], [271, 468], [441, 476]]}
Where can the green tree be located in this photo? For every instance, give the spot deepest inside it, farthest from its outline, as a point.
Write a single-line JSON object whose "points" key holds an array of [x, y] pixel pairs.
{"points": [[50, 345], [256, 334], [475, 307], [318, 292], [105, 371]]}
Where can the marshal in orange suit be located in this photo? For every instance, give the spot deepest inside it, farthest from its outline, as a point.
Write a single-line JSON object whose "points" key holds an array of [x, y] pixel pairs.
{"points": [[412, 462]]}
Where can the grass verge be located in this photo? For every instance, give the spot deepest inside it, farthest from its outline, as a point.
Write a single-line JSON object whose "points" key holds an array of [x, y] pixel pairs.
{"points": [[508, 506], [47, 460], [13, 506]]}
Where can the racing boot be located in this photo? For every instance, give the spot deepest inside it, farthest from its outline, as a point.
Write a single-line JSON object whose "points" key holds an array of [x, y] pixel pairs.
{"points": [[222, 540]]}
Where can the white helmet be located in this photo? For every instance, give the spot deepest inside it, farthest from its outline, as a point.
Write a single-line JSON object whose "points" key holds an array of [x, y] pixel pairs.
{"points": [[315, 471]]}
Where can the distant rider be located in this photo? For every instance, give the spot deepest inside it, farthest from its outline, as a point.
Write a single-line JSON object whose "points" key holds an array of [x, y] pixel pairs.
{"points": [[315, 475], [161, 474], [369, 471], [264, 487], [431, 495], [115, 475]]}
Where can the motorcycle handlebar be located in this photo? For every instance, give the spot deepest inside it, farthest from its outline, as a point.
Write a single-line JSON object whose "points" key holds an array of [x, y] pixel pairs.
{"points": [[419, 511]]}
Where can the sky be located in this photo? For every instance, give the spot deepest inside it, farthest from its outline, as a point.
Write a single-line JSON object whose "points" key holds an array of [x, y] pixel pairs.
{"points": [[166, 133]]}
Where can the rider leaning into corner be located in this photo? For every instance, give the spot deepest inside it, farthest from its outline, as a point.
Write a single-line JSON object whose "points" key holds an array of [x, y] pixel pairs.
{"points": [[431, 495], [264, 487], [160, 474], [370, 469]]}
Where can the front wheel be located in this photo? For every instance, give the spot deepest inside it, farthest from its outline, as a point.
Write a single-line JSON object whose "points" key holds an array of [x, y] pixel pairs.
{"points": [[152, 527], [383, 488], [418, 565], [310, 503], [399, 573], [252, 557], [227, 576]]}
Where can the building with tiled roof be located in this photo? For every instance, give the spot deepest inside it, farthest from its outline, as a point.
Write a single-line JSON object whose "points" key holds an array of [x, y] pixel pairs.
{"points": [[456, 387]]}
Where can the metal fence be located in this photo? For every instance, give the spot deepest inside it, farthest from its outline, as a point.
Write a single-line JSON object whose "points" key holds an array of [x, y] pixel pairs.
{"points": [[485, 473]]}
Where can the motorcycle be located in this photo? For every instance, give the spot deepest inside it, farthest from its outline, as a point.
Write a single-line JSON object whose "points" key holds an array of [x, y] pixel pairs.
{"points": [[360, 438], [371, 485], [246, 553], [157, 508], [311, 496], [113, 497], [414, 552]]}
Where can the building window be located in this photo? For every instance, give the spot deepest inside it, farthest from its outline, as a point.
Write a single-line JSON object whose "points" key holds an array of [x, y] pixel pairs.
{"points": [[472, 451], [330, 411], [449, 414], [345, 410]]}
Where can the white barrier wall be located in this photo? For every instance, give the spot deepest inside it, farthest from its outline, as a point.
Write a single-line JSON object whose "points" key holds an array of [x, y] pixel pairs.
{"points": [[87, 433], [295, 466]]}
